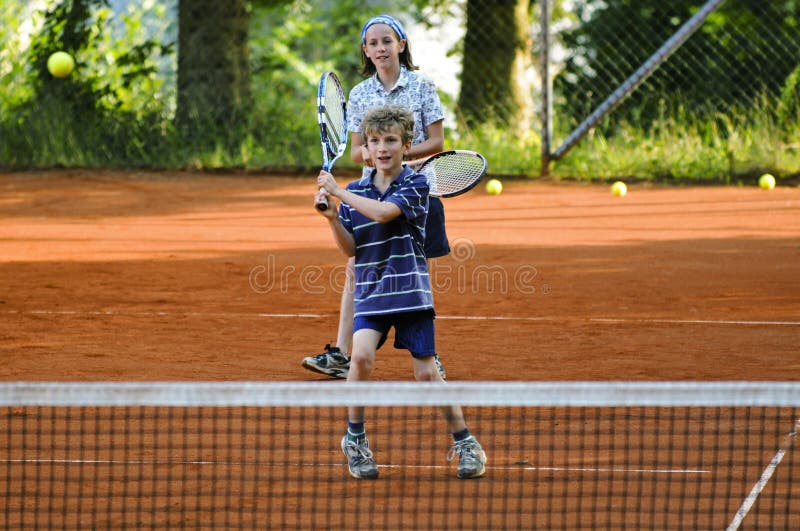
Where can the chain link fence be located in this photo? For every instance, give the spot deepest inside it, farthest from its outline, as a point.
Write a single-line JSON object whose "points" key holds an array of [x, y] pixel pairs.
{"points": [[742, 55], [486, 58], [745, 54]]}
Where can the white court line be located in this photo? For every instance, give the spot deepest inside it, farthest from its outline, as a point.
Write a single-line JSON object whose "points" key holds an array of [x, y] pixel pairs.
{"points": [[611, 320], [620, 320], [751, 498], [109, 313], [696, 321], [615, 470], [612, 470]]}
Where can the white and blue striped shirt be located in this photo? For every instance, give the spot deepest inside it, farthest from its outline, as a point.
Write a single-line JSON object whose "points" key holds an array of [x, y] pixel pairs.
{"points": [[391, 268]]}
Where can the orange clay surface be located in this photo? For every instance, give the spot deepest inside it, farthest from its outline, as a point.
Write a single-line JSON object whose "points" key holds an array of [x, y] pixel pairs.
{"points": [[184, 276], [170, 276]]}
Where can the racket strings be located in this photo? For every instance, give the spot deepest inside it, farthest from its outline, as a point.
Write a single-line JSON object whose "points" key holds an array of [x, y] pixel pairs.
{"points": [[450, 174], [334, 116]]}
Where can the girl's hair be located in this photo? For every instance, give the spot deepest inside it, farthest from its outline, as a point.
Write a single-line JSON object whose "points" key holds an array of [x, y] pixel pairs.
{"points": [[384, 118], [368, 67]]}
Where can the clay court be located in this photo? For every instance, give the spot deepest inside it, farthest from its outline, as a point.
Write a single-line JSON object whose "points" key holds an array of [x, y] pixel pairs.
{"points": [[229, 277], [183, 276]]}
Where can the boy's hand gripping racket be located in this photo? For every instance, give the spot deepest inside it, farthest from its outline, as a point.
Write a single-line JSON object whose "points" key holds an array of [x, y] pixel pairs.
{"points": [[332, 117], [451, 173]]}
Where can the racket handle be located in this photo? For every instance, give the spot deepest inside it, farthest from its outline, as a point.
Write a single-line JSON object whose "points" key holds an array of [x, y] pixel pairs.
{"points": [[322, 205]]}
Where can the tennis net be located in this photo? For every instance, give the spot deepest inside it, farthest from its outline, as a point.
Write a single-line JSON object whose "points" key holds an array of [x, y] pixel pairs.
{"points": [[561, 455]]}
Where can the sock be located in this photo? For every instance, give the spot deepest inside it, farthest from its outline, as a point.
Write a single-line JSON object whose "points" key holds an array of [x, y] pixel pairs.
{"points": [[462, 435], [355, 431]]}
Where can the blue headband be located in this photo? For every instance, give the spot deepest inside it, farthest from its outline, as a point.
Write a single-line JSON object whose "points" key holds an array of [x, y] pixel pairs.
{"points": [[383, 19]]}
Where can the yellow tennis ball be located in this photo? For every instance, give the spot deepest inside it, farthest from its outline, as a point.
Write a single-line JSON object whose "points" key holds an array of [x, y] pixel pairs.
{"points": [[60, 64], [494, 187], [766, 181], [619, 189]]}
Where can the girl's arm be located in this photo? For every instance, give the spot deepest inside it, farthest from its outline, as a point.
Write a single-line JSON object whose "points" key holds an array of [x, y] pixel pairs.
{"points": [[434, 143], [344, 240], [358, 155]]}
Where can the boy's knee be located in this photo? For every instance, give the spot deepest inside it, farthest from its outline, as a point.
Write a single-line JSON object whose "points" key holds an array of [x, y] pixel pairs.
{"points": [[426, 372], [363, 364]]}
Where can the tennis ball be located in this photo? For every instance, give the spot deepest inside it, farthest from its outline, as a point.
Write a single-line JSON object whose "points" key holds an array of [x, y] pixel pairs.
{"points": [[619, 189], [60, 64], [494, 187], [766, 181]]}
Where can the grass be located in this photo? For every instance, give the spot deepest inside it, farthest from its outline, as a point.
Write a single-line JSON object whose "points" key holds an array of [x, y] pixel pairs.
{"points": [[734, 147]]}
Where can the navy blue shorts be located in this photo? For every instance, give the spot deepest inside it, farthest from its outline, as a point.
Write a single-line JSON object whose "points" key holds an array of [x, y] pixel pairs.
{"points": [[436, 243], [413, 331]]}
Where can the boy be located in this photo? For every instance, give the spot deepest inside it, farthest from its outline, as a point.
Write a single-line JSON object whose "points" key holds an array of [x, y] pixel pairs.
{"points": [[391, 77], [381, 222]]}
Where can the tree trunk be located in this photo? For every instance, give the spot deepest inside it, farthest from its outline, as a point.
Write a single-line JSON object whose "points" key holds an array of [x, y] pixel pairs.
{"points": [[496, 82], [213, 70]]}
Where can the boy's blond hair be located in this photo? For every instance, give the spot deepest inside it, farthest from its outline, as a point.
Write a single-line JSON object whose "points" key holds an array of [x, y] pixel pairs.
{"points": [[388, 117]]}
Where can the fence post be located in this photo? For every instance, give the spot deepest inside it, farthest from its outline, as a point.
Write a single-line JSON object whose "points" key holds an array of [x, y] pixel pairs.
{"points": [[638, 77], [547, 88]]}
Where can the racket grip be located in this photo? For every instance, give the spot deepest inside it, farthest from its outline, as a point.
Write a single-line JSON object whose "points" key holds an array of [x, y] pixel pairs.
{"points": [[322, 205]]}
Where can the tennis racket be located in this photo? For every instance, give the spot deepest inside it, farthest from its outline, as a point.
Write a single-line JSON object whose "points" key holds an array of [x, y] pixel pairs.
{"points": [[451, 173], [332, 118]]}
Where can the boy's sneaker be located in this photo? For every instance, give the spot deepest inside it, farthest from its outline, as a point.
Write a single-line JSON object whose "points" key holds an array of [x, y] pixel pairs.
{"points": [[331, 362], [471, 458], [440, 367], [359, 458]]}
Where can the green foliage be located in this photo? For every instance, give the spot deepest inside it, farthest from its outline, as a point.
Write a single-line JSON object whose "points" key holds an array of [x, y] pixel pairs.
{"points": [[13, 86], [688, 146], [107, 111], [739, 52], [291, 45], [506, 151], [118, 107]]}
